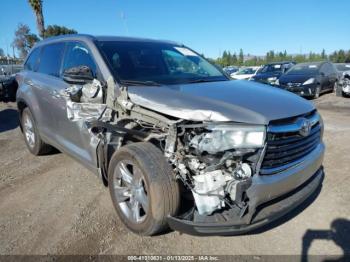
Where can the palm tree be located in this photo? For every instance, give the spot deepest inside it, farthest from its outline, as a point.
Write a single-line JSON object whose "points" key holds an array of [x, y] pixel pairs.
{"points": [[37, 6]]}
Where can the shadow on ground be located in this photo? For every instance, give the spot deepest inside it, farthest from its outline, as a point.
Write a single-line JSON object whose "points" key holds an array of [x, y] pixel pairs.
{"points": [[8, 120], [290, 215], [339, 233]]}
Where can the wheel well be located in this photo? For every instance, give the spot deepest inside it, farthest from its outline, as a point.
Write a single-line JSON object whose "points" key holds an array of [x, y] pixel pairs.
{"points": [[21, 105]]}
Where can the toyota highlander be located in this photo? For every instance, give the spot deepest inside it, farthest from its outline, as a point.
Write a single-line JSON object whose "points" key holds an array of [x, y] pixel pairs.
{"points": [[177, 142]]}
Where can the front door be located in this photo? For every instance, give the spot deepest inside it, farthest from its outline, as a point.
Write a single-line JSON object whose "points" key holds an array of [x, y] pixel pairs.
{"points": [[75, 136]]}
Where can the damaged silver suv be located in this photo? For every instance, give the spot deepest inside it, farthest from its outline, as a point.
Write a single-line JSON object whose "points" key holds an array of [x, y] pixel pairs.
{"points": [[176, 141]]}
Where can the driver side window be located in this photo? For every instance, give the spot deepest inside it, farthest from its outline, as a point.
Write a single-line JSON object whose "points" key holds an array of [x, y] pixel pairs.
{"points": [[77, 54]]}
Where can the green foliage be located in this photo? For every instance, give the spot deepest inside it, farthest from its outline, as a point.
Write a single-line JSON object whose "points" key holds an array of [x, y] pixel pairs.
{"points": [[241, 57], [340, 56], [2, 53], [24, 40], [54, 30]]}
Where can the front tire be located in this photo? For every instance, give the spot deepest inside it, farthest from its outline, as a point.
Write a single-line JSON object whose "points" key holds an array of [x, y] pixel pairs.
{"points": [[317, 92], [142, 187], [31, 134]]}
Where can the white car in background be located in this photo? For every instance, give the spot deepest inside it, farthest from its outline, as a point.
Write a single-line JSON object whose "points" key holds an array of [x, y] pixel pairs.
{"points": [[245, 73]]}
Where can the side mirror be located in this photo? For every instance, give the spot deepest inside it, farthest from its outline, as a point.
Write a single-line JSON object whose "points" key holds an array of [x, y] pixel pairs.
{"points": [[78, 75]]}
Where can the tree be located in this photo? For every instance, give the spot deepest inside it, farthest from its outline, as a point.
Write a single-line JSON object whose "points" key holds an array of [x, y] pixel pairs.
{"points": [[323, 55], [24, 39], [234, 59], [2, 53], [341, 56], [37, 6], [53, 30], [241, 57]]}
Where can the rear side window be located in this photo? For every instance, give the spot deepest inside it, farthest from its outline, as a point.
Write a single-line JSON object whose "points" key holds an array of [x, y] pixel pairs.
{"points": [[32, 61], [50, 59], [77, 54]]}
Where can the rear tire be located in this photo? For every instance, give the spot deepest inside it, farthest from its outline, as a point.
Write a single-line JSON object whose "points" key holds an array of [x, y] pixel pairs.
{"points": [[31, 134], [143, 188]]}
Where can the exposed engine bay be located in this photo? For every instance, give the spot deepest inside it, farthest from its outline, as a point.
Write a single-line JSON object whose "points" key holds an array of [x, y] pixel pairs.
{"points": [[206, 157]]}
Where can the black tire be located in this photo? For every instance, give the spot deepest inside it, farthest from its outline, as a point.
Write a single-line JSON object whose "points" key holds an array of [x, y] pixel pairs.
{"points": [[37, 146], [159, 185], [317, 92]]}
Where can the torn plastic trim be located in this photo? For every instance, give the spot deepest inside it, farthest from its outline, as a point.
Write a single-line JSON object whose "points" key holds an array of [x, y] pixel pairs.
{"points": [[116, 129]]}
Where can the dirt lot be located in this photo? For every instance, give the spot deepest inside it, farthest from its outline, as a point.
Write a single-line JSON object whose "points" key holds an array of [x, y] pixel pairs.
{"points": [[51, 204]]}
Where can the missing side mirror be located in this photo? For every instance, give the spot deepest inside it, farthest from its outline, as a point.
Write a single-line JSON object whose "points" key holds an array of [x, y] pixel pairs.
{"points": [[78, 75]]}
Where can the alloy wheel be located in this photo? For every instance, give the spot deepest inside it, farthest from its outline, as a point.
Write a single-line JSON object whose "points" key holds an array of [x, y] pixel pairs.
{"points": [[28, 129], [130, 191]]}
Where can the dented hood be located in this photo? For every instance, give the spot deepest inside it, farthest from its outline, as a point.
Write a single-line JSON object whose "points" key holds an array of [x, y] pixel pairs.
{"points": [[239, 101]]}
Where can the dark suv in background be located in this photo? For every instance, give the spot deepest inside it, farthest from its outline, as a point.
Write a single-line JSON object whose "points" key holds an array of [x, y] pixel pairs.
{"points": [[8, 83], [269, 73], [310, 79]]}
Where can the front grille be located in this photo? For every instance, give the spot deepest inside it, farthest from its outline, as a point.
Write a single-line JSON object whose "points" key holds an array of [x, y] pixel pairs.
{"points": [[286, 145]]}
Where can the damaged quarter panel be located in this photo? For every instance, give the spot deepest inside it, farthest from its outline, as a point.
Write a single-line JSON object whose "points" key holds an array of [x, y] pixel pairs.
{"points": [[239, 101]]}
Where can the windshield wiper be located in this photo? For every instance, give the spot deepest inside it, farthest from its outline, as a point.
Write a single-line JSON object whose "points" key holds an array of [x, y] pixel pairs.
{"points": [[203, 80], [139, 83]]}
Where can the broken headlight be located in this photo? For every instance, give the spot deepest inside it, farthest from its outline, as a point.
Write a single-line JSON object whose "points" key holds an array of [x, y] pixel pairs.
{"points": [[225, 137]]}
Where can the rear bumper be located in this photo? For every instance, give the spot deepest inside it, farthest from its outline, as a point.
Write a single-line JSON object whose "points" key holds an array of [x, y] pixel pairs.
{"points": [[270, 197]]}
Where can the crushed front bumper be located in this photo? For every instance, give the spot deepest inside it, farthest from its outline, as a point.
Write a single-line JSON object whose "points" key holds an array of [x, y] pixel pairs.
{"points": [[270, 197]]}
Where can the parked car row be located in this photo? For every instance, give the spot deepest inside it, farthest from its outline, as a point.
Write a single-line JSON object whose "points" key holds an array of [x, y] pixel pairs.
{"points": [[304, 79]]}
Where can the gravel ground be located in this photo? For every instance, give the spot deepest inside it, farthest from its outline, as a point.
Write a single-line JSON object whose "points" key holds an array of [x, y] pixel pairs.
{"points": [[53, 205]]}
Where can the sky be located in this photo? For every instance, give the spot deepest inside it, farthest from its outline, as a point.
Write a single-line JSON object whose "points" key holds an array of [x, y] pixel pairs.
{"points": [[207, 26]]}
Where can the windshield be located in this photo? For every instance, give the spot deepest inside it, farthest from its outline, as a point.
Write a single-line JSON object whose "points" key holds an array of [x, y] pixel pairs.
{"points": [[303, 69], [343, 67], [162, 63], [246, 71], [271, 68]]}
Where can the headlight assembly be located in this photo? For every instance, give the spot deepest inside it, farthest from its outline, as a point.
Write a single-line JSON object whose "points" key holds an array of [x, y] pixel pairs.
{"points": [[272, 79], [309, 81], [225, 137]]}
